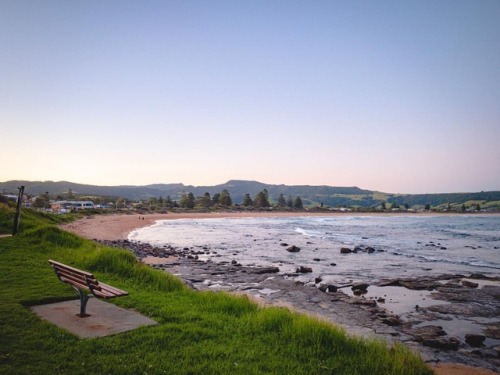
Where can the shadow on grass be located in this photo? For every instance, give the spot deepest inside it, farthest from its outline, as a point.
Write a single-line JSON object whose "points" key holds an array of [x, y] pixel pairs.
{"points": [[46, 301]]}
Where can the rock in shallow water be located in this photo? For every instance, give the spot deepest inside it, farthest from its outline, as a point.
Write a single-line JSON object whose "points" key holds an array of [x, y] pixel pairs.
{"points": [[303, 269], [328, 288], [428, 332], [443, 343], [266, 270], [469, 284], [293, 249], [361, 287], [474, 340]]}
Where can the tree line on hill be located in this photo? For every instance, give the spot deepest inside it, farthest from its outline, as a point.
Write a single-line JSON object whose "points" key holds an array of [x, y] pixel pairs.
{"points": [[310, 195], [223, 199]]}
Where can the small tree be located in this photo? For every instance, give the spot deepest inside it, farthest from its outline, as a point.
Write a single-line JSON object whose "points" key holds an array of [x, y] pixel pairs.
{"points": [[46, 196], [190, 200], [247, 201], [39, 202], [225, 198], [168, 202], [152, 202], [427, 207], [204, 201], [261, 199], [120, 202], [216, 198], [289, 202], [187, 200], [298, 203], [281, 201]]}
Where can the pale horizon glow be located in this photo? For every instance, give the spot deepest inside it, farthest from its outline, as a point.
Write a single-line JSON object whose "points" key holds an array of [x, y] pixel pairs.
{"points": [[393, 96]]}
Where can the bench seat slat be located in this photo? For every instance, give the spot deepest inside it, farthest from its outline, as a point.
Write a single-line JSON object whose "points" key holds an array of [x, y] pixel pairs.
{"points": [[105, 294], [111, 290]]}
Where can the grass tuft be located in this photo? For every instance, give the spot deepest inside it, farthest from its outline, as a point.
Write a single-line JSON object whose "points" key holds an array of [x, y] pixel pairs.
{"points": [[55, 236], [226, 304], [123, 264], [273, 319]]}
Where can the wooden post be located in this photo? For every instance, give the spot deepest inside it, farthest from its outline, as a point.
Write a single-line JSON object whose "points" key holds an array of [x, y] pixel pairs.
{"points": [[18, 210]]}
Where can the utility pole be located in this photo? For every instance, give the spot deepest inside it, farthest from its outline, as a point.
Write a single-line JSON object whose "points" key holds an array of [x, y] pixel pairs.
{"points": [[18, 210]]}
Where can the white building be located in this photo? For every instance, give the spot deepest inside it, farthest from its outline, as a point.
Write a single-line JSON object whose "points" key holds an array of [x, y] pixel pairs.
{"points": [[71, 205]]}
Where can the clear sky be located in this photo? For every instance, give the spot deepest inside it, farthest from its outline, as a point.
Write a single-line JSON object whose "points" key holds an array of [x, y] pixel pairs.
{"points": [[397, 96]]}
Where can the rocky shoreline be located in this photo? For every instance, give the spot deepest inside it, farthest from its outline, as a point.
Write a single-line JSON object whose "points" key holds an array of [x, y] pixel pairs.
{"points": [[468, 306]]}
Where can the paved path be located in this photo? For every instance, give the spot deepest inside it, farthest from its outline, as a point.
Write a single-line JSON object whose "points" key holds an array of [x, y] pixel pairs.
{"points": [[105, 318]]}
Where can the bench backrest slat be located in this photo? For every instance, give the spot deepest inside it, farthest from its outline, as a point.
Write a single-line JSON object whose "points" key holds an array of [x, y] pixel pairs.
{"points": [[71, 275], [85, 280], [76, 277], [65, 267], [78, 284]]}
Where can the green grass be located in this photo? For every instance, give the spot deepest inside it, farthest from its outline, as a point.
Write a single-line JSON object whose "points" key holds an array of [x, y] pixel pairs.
{"points": [[198, 332], [6, 219], [380, 196], [491, 204], [474, 202]]}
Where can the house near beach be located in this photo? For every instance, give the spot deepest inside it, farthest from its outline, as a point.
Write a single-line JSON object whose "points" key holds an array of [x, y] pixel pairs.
{"points": [[64, 206]]}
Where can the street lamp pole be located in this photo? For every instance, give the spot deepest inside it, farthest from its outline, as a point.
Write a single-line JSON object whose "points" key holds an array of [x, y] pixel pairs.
{"points": [[18, 210]]}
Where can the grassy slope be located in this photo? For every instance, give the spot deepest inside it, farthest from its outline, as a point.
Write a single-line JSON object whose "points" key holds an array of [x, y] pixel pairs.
{"points": [[198, 332]]}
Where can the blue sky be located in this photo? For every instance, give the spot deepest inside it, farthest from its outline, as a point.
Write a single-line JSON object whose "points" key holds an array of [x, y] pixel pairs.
{"points": [[396, 96]]}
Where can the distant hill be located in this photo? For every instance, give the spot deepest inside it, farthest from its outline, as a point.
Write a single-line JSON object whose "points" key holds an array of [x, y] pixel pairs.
{"points": [[331, 196]]}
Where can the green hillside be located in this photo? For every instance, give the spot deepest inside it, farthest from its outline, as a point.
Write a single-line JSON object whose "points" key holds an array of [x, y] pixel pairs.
{"points": [[485, 197]]}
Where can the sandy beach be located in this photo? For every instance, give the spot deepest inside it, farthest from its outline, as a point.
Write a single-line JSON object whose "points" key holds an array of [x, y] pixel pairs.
{"points": [[117, 227]]}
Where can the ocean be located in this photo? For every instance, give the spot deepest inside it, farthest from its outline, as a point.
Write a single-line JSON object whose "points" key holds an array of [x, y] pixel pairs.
{"points": [[403, 246]]}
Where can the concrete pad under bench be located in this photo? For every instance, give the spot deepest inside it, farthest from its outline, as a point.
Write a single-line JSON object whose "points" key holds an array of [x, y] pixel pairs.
{"points": [[105, 318]]}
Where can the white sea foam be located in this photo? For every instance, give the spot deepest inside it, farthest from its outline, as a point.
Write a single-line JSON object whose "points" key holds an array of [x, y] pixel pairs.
{"points": [[310, 232]]}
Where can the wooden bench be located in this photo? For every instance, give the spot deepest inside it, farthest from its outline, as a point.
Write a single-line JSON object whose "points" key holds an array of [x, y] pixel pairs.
{"points": [[84, 282]]}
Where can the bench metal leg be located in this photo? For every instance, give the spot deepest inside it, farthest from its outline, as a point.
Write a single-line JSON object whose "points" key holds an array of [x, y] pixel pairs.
{"points": [[84, 298]]}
